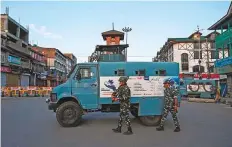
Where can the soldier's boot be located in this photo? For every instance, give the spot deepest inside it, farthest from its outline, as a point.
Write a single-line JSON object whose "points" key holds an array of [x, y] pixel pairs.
{"points": [[177, 129], [128, 132], [160, 128], [117, 130]]}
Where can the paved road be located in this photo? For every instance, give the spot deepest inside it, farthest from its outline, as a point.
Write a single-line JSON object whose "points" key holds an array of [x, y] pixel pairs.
{"points": [[28, 123]]}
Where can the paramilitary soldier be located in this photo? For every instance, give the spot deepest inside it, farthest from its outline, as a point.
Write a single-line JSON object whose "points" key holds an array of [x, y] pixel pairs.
{"points": [[170, 104], [123, 94]]}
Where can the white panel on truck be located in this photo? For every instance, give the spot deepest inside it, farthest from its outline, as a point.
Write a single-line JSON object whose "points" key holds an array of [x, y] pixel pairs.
{"points": [[140, 87]]}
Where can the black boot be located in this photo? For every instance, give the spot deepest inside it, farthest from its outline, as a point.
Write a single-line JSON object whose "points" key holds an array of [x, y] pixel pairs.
{"points": [[160, 128], [117, 130], [177, 129], [128, 132]]}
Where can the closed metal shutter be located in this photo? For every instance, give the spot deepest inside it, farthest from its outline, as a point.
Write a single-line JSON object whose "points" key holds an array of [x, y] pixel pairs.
{"points": [[12, 80], [24, 80], [3, 79]]}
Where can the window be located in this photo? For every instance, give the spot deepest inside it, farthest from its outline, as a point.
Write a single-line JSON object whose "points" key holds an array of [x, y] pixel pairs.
{"points": [[196, 54], [184, 62], [196, 45], [120, 72], [140, 72], [196, 68], [3, 59], [162, 72], [85, 73], [184, 57], [214, 54]]}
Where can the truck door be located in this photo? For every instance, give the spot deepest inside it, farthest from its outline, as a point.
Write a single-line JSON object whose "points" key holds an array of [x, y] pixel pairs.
{"points": [[85, 87]]}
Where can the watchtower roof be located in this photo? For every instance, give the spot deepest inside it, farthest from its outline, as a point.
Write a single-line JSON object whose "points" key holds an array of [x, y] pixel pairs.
{"points": [[113, 33]]}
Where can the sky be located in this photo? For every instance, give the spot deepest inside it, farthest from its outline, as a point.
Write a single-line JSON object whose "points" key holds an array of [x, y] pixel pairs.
{"points": [[76, 26]]}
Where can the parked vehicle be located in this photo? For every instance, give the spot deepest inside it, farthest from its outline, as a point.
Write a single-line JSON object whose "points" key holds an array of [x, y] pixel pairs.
{"points": [[90, 85]]}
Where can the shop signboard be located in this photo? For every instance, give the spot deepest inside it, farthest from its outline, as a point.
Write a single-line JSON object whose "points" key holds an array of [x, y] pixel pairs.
{"points": [[14, 60], [5, 69]]}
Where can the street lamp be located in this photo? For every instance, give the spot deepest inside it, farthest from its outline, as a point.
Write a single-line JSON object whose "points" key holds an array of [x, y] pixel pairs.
{"points": [[126, 30]]}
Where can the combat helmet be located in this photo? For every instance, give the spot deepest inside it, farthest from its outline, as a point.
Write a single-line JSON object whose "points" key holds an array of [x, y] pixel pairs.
{"points": [[123, 79]]}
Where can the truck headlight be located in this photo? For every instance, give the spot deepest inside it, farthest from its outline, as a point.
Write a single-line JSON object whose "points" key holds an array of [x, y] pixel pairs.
{"points": [[53, 97]]}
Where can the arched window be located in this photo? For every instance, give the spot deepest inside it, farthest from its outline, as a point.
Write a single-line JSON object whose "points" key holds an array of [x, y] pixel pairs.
{"points": [[184, 62], [196, 68]]}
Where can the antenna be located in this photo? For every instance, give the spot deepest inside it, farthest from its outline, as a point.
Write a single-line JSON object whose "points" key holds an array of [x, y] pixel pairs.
{"points": [[113, 25], [19, 20], [198, 29]]}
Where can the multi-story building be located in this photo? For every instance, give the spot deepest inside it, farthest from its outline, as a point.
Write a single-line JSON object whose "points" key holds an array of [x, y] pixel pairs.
{"points": [[73, 59], [15, 57], [68, 64], [56, 65], [224, 47], [38, 64], [188, 51]]}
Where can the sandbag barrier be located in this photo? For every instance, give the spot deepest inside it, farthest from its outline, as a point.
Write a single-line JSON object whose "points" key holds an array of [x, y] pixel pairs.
{"points": [[31, 91]]}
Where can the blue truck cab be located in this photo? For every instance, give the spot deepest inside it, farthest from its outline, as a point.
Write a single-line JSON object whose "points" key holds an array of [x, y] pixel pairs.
{"points": [[90, 85]]}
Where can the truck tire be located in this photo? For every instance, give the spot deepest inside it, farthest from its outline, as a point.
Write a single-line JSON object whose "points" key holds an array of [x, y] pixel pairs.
{"points": [[69, 114], [150, 120]]}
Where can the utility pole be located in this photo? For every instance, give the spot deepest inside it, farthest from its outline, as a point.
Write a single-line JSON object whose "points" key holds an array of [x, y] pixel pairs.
{"points": [[200, 49]]}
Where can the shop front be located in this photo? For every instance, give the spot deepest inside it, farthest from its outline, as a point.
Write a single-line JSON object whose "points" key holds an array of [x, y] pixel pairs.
{"points": [[224, 67], [24, 80], [4, 71]]}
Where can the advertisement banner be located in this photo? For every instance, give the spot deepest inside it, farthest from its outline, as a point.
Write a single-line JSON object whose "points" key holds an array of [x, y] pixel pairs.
{"points": [[140, 86]]}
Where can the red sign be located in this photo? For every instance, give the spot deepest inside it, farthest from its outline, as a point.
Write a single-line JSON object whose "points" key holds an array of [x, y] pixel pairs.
{"points": [[207, 76], [5, 69]]}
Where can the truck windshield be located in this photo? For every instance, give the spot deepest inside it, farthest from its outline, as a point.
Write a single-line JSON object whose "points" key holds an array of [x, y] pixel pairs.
{"points": [[71, 71]]}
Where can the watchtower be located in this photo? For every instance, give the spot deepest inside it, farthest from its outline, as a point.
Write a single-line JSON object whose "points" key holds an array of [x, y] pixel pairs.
{"points": [[113, 51]]}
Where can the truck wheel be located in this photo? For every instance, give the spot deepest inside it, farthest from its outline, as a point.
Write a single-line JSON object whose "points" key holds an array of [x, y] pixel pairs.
{"points": [[69, 114], [134, 112], [150, 120]]}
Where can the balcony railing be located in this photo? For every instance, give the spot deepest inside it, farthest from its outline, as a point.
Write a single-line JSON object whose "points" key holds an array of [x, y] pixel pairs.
{"points": [[224, 37], [17, 47]]}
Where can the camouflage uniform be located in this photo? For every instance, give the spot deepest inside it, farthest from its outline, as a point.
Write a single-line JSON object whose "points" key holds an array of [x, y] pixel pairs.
{"points": [[169, 94], [123, 93]]}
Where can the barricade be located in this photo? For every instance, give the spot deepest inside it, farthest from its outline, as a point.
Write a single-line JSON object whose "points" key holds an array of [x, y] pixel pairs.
{"points": [[30, 91]]}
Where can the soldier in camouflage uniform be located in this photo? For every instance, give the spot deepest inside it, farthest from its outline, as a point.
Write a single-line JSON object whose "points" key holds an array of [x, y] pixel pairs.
{"points": [[170, 93], [123, 94]]}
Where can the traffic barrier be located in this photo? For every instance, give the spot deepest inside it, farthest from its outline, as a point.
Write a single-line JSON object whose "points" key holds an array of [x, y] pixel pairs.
{"points": [[30, 91]]}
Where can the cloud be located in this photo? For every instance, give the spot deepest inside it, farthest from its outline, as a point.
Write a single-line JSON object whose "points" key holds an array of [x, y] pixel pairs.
{"points": [[42, 30]]}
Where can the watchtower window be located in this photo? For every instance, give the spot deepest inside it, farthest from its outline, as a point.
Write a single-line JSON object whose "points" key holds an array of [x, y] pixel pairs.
{"points": [[162, 72], [140, 72], [119, 72]]}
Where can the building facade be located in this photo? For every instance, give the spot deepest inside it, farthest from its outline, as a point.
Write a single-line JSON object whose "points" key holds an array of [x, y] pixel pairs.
{"points": [[55, 65], [188, 51], [15, 57], [224, 44], [38, 71], [73, 59], [68, 64]]}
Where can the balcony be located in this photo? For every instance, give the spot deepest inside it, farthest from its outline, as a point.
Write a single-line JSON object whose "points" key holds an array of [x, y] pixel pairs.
{"points": [[17, 46], [224, 38]]}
